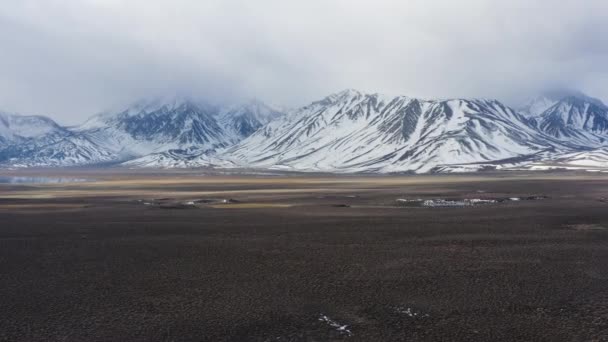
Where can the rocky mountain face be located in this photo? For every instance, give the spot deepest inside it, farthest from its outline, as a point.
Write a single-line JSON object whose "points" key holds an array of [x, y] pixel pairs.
{"points": [[156, 126], [352, 131], [243, 120], [175, 127], [348, 131], [575, 119], [17, 128], [570, 116], [38, 140]]}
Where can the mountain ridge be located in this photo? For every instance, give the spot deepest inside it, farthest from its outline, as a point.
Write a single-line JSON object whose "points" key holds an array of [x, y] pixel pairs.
{"points": [[390, 127], [347, 131]]}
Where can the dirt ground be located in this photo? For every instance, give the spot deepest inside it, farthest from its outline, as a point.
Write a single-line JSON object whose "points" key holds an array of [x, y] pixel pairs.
{"points": [[199, 256]]}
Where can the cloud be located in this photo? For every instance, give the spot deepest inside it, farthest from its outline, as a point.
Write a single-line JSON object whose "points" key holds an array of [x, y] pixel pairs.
{"points": [[71, 58]]}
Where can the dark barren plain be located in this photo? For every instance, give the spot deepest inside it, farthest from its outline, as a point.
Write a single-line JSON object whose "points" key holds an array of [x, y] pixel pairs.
{"points": [[195, 256]]}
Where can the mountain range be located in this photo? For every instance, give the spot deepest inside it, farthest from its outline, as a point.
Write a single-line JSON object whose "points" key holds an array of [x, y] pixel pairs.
{"points": [[349, 131]]}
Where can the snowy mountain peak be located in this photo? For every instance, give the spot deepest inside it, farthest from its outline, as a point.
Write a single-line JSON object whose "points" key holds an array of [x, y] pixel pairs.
{"points": [[175, 123], [145, 107], [15, 127], [569, 115], [244, 119], [349, 92], [581, 100], [157, 125], [349, 131], [577, 119], [536, 106], [562, 94], [342, 96]]}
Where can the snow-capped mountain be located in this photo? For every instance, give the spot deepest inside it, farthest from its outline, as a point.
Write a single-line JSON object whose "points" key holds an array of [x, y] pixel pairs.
{"points": [[244, 119], [236, 121], [156, 126], [16, 128], [348, 131], [576, 119], [537, 105], [67, 149], [569, 116], [40, 141], [158, 130], [352, 131]]}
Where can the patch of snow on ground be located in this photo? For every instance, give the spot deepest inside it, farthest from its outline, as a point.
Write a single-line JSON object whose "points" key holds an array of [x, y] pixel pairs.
{"points": [[410, 312], [405, 200], [455, 203], [342, 329]]}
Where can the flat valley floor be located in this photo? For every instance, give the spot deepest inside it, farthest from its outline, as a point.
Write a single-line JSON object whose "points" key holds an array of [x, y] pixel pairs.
{"points": [[199, 256]]}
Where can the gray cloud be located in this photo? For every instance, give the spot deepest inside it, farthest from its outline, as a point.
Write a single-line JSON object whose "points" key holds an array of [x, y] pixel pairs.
{"points": [[71, 58]]}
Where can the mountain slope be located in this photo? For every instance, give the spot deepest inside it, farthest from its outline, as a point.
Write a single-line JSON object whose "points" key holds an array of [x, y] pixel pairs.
{"points": [[188, 158], [178, 124], [575, 119], [236, 121], [537, 105], [569, 116], [593, 158], [67, 149], [161, 131], [351, 131], [155, 126], [40, 141], [345, 132], [244, 119], [19, 128]]}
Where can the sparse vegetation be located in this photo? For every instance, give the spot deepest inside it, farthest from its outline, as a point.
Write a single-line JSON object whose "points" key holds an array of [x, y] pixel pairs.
{"points": [[304, 259]]}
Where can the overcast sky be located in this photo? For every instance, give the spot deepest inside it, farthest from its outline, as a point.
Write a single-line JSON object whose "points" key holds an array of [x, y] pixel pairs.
{"points": [[72, 58]]}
